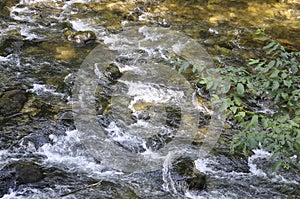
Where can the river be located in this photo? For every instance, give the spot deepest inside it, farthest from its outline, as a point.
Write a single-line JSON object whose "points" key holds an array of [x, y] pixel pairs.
{"points": [[99, 99]]}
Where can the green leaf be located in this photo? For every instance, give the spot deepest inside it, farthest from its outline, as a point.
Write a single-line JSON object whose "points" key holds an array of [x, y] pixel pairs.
{"points": [[240, 116], [292, 123], [253, 61], [250, 86], [283, 118], [266, 84], [209, 85], [202, 81], [254, 121], [223, 107], [294, 69], [186, 65], [264, 123], [194, 69], [284, 75], [238, 101], [275, 85], [240, 89], [284, 96], [287, 83], [226, 87], [269, 45], [234, 109], [252, 143], [277, 130], [275, 73], [278, 63], [277, 165], [273, 48], [271, 63]]}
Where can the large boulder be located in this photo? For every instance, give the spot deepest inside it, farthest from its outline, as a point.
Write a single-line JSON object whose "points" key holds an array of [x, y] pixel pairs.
{"points": [[19, 173], [12, 102], [5, 6], [184, 172]]}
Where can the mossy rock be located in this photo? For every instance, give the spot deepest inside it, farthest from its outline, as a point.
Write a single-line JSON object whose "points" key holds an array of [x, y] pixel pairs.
{"points": [[112, 72], [11, 44], [5, 6], [184, 170], [12, 102]]}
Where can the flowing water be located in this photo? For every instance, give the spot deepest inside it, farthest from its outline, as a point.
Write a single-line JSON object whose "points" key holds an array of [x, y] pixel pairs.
{"points": [[116, 110]]}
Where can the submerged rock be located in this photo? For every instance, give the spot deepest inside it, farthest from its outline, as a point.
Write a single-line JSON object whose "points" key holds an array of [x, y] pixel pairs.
{"points": [[12, 102]]}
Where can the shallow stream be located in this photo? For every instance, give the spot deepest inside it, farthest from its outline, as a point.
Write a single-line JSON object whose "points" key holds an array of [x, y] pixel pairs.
{"points": [[99, 99]]}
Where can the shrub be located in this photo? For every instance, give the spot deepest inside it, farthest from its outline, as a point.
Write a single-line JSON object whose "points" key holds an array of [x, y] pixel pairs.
{"points": [[263, 102]]}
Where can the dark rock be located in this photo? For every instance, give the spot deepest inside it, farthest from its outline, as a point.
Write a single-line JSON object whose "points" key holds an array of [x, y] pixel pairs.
{"points": [[83, 38], [6, 181], [184, 172], [204, 119], [19, 173], [38, 139], [27, 172], [12, 102], [173, 116], [112, 72], [234, 163], [116, 190], [202, 91], [5, 6], [10, 45], [159, 140], [140, 116]]}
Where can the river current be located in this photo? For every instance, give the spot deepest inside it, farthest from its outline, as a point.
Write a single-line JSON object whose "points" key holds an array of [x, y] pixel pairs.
{"points": [[117, 110]]}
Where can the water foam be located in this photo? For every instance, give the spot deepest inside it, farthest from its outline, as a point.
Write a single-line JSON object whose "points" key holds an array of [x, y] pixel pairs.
{"points": [[41, 89], [68, 152]]}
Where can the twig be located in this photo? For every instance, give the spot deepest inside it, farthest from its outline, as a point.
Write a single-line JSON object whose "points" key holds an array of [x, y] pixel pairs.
{"points": [[80, 189]]}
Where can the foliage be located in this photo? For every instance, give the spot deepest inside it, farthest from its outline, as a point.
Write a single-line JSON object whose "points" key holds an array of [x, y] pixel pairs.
{"points": [[262, 101]]}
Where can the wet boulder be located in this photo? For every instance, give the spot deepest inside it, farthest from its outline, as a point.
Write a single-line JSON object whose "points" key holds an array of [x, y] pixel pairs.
{"points": [[5, 6], [116, 190], [112, 72], [19, 173], [6, 181], [12, 102], [173, 116], [185, 174], [11, 44], [83, 38], [159, 140]]}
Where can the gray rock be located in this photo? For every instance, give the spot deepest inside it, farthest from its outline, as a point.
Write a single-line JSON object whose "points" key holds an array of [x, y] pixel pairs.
{"points": [[19, 173]]}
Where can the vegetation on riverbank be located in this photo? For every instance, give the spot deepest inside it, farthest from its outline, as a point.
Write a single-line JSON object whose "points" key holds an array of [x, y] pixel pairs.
{"points": [[262, 103]]}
